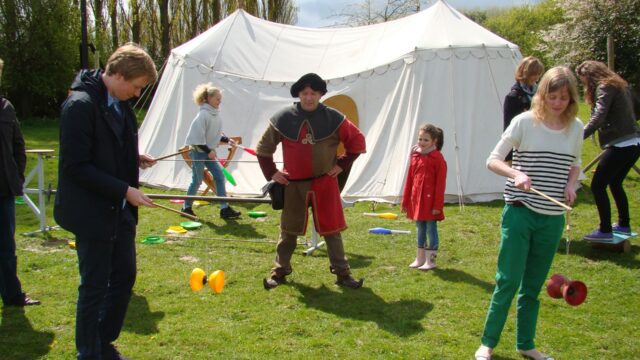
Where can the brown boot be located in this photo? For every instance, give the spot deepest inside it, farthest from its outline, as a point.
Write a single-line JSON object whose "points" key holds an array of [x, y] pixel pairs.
{"points": [[273, 281], [349, 281]]}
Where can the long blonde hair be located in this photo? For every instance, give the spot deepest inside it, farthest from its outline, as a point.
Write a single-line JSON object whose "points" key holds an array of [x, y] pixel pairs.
{"points": [[594, 73], [203, 91], [553, 80]]}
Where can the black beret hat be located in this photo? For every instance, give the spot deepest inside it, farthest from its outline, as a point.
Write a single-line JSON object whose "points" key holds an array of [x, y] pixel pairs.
{"points": [[312, 80]]}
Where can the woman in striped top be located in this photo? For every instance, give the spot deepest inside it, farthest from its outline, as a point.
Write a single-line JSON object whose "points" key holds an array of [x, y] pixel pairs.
{"points": [[546, 143]]}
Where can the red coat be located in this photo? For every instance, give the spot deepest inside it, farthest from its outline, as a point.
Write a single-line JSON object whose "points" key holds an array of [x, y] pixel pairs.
{"points": [[424, 186]]}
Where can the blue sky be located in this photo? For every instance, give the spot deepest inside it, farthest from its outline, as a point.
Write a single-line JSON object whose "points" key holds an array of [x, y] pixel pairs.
{"points": [[317, 13]]}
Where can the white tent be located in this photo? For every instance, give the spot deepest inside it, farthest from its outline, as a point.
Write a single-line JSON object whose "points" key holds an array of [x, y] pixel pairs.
{"points": [[435, 66]]}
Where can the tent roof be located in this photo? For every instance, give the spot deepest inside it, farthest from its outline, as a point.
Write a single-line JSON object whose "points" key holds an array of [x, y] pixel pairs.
{"points": [[253, 48]]}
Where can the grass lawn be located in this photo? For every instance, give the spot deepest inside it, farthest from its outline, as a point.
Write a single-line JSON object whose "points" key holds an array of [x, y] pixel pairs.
{"points": [[401, 313]]}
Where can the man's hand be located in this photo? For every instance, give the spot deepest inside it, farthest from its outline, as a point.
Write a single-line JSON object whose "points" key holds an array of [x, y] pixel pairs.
{"points": [[146, 161], [281, 177], [136, 197], [335, 171], [212, 155]]}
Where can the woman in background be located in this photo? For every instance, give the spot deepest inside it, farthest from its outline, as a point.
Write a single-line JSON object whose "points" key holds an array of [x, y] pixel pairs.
{"points": [[613, 118]]}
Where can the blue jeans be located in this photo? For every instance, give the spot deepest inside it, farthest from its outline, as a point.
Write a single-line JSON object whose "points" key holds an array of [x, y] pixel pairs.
{"points": [[427, 229], [197, 173], [10, 287], [107, 275]]}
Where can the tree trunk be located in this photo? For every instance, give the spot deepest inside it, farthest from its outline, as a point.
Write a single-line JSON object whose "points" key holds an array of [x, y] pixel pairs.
{"points": [[113, 12], [134, 6], [165, 46]]}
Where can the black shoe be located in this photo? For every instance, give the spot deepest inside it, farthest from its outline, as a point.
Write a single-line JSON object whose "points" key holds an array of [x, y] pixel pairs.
{"points": [[25, 301], [111, 353], [273, 282], [229, 213], [188, 211], [349, 282]]}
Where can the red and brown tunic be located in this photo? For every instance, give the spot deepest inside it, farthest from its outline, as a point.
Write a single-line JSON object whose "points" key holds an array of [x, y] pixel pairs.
{"points": [[309, 147]]}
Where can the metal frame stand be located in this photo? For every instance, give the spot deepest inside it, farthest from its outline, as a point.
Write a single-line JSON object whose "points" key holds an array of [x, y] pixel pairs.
{"points": [[40, 209], [314, 244]]}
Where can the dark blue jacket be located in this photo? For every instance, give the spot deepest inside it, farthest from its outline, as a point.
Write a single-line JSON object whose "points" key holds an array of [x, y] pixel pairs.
{"points": [[13, 159], [98, 162]]}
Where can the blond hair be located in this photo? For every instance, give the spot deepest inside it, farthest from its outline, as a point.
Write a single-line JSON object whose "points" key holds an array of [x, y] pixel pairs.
{"points": [[529, 67], [594, 73], [132, 62], [553, 80], [203, 91]]}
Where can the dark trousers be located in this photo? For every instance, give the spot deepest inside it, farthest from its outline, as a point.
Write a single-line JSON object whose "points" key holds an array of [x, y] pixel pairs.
{"points": [[107, 274], [611, 171], [10, 287]]}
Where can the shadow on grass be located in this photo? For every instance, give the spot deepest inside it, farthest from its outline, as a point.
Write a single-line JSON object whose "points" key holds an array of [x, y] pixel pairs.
{"points": [[610, 254], [18, 339], [459, 276], [140, 319], [399, 317]]}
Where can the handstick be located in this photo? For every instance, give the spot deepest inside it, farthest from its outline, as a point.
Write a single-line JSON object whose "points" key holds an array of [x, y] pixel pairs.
{"points": [[249, 150], [176, 211], [170, 155], [592, 162], [382, 215], [565, 206]]}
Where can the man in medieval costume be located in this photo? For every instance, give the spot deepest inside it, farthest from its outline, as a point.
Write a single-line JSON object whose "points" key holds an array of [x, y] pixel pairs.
{"points": [[310, 133]]}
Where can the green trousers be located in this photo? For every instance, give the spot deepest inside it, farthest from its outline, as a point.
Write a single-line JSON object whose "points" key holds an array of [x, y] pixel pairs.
{"points": [[529, 241]]}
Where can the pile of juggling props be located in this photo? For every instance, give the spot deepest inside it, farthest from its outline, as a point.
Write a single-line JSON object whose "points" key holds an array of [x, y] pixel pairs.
{"points": [[574, 292], [199, 278], [384, 231]]}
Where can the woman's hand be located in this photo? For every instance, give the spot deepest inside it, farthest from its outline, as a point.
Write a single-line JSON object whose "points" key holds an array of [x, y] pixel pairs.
{"points": [[212, 155], [570, 193], [522, 181]]}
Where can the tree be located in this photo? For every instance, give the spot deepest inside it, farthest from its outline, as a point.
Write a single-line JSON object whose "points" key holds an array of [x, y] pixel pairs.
{"points": [[39, 41], [583, 34], [372, 12], [522, 25]]}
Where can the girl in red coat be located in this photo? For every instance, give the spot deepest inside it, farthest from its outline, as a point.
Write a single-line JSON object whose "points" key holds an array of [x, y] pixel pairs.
{"points": [[423, 197]]}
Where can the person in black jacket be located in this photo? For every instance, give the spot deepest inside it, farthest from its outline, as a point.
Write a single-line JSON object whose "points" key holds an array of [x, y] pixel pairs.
{"points": [[612, 116], [98, 196], [13, 161], [518, 100]]}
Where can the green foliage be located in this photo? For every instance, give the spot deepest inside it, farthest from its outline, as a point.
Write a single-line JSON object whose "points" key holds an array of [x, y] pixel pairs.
{"points": [[39, 43], [522, 25], [401, 313], [583, 35]]}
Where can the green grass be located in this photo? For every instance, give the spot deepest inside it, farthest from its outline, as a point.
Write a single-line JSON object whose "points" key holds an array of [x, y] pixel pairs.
{"points": [[400, 313]]}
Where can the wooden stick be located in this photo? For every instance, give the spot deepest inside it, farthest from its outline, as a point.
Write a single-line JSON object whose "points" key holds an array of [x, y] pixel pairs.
{"points": [[593, 162], [261, 200], [170, 155], [564, 206], [176, 211]]}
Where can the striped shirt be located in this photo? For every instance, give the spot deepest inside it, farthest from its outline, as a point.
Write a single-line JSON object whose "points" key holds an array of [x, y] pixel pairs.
{"points": [[545, 155]]}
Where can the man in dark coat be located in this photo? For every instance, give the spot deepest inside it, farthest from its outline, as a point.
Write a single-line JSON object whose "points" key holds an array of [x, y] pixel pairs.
{"points": [[13, 161], [98, 194]]}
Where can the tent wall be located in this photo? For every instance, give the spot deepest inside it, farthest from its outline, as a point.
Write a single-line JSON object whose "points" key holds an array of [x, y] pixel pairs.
{"points": [[435, 66], [458, 90]]}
